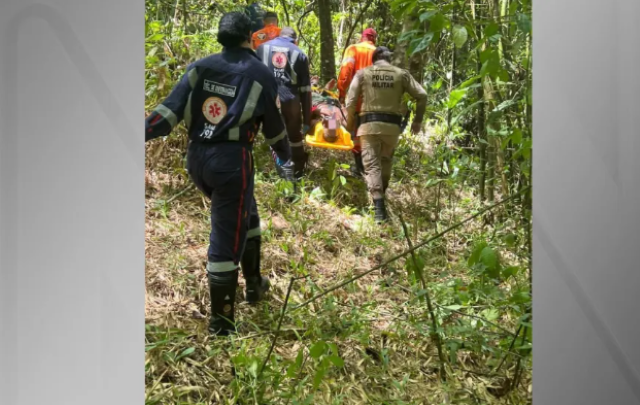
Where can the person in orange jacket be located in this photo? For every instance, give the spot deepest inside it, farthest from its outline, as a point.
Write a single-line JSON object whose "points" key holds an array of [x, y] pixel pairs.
{"points": [[357, 56], [269, 32]]}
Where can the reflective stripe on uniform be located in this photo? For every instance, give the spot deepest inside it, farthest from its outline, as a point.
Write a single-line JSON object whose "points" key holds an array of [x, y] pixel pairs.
{"points": [[187, 112], [304, 89], [221, 267], [254, 232], [349, 61], [167, 114], [296, 144], [234, 134], [252, 102], [277, 138], [193, 77], [294, 75], [265, 54], [247, 113]]}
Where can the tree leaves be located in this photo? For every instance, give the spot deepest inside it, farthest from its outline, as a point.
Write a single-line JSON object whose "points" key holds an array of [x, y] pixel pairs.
{"points": [[420, 44], [490, 63], [515, 138], [487, 258], [491, 29], [316, 352], [504, 105], [337, 361], [319, 376], [510, 271], [401, 7], [407, 35], [460, 36], [475, 254], [491, 261], [490, 314], [185, 353], [455, 96], [317, 349], [437, 23], [524, 22], [427, 15], [469, 82]]}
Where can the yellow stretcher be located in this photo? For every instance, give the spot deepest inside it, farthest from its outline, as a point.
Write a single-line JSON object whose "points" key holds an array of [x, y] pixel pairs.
{"points": [[317, 139], [343, 139]]}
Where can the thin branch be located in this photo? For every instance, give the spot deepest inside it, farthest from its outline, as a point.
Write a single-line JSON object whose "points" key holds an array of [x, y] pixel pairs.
{"points": [[434, 334], [302, 17], [180, 194], [278, 329], [478, 318], [353, 28], [286, 11], [513, 342]]}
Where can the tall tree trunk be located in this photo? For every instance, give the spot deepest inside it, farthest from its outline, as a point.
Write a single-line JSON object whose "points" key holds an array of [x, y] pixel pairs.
{"points": [[343, 10], [506, 55], [489, 104], [400, 52], [414, 64], [176, 12], [452, 81], [328, 65], [491, 147], [184, 16], [481, 127]]}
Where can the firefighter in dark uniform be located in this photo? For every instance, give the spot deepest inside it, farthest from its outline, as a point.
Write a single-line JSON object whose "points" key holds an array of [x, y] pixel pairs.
{"points": [[290, 66], [223, 99]]}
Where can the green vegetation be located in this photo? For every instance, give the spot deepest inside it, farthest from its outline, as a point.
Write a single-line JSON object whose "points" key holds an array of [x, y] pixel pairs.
{"points": [[373, 340]]}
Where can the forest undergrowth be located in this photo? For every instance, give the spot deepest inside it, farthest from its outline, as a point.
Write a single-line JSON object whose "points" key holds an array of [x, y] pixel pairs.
{"points": [[368, 342], [449, 322]]}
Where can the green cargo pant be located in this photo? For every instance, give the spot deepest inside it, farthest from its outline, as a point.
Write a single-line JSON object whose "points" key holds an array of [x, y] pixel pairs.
{"points": [[377, 154]]}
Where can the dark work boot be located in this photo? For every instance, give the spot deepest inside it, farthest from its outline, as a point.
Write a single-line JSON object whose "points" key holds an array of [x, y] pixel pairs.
{"points": [[222, 291], [256, 289], [300, 158], [380, 210], [257, 285], [358, 169]]}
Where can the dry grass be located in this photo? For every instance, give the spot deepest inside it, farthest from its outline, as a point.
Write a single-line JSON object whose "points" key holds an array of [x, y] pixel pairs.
{"points": [[377, 325]]}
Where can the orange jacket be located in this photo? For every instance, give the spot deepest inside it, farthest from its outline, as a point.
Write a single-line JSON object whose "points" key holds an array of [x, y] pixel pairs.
{"points": [[356, 57], [266, 34]]}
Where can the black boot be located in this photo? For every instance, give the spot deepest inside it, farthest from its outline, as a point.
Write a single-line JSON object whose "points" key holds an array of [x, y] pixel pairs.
{"points": [[358, 169], [380, 210], [222, 291], [257, 285], [300, 158]]}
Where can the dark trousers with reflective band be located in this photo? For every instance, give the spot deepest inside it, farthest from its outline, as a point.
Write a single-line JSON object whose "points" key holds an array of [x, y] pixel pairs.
{"points": [[291, 110], [292, 114], [225, 173]]}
